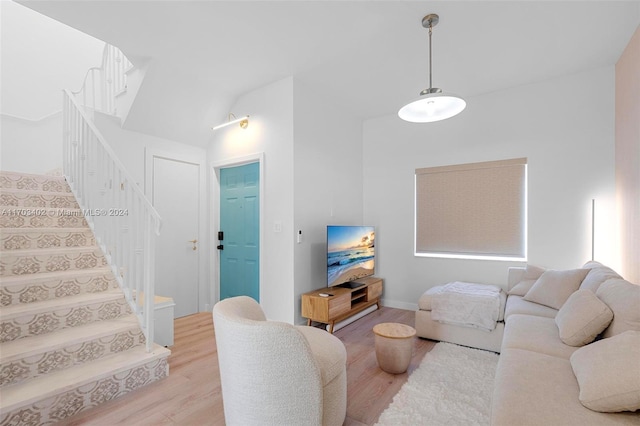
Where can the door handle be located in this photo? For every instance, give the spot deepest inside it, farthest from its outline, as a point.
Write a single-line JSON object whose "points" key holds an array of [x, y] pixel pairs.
{"points": [[194, 244]]}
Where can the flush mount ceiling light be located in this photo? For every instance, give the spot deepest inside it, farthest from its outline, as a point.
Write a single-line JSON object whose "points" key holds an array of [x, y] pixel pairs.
{"points": [[244, 122], [433, 104]]}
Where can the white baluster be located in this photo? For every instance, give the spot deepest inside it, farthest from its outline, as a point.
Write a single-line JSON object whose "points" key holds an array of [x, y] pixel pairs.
{"points": [[149, 279], [65, 134], [96, 177], [133, 241]]}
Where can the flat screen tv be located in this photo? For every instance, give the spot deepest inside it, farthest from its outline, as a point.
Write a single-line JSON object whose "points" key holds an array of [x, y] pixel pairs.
{"points": [[350, 254]]}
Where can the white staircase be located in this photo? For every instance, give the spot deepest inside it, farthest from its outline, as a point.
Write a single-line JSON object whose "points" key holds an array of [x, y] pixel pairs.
{"points": [[68, 338]]}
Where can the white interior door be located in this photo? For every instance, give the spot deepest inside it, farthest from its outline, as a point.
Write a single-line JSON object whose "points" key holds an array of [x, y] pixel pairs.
{"points": [[175, 195]]}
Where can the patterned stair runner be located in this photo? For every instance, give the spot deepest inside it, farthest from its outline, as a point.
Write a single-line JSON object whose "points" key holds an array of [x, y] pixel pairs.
{"points": [[68, 338]]}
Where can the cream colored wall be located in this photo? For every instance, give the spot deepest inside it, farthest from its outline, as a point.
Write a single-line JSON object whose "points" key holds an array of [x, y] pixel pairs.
{"points": [[628, 157]]}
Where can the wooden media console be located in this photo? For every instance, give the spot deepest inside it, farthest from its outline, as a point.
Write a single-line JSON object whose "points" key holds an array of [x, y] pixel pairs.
{"points": [[342, 302]]}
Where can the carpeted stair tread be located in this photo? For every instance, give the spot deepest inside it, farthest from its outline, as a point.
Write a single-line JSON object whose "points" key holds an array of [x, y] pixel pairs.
{"points": [[35, 211], [32, 175], [16, 191], [26, 181], [42, 218], [22, 348], [18, 239], [37, 389], [10, 280], [15, 311], [37, 261], [13, 198], [7, 231], [50, 251]]}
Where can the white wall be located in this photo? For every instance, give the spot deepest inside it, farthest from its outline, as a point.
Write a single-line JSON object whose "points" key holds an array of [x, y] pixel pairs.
{"points": [[327, 181], [130, 146], [566, 133], [270, 132], [31, 146], [313, 177], [40, 58]]}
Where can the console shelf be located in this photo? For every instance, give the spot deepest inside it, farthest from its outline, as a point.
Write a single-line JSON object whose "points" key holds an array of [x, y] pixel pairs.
{"points": [[342, 302]]}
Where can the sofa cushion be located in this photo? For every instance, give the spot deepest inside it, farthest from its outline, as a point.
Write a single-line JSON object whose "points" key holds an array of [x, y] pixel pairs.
{"points": [[536, 334], [608, 373], [582, 317], [537, 389], [517, 305], [531, 274], [553, 288], [597, 275], [590, 264], [623, 298]]}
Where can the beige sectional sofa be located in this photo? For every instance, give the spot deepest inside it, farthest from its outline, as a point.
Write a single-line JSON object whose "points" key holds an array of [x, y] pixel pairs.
{"points": [[541, 380], [550, 368]]}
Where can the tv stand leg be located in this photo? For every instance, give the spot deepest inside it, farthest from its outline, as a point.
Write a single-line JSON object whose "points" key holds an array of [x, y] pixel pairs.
{"points": [[308, 322]]}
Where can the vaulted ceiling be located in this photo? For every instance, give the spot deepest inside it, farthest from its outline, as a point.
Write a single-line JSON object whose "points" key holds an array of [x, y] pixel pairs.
{"points": [[370, 56]]}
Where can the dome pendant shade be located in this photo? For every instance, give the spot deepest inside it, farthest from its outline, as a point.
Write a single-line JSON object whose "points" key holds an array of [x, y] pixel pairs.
{"points": [[432, 105]]}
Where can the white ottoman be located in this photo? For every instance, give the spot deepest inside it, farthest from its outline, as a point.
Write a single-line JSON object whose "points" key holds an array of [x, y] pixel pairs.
{"points": [[429, 328]]}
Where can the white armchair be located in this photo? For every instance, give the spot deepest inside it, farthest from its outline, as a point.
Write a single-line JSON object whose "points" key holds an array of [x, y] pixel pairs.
{"points": [[274, 373]]}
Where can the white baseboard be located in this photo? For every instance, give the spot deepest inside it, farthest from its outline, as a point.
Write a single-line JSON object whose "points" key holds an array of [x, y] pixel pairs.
{"points": [[400, 305]]}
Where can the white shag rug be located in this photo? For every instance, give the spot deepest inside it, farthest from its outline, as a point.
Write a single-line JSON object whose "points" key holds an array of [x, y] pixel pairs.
{"points": [[452, 386]]}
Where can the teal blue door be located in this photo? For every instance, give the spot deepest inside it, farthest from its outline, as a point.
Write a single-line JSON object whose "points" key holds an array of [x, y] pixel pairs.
{"points": [[240, 227]]}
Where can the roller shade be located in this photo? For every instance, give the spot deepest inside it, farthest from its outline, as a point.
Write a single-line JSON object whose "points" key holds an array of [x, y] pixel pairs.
{"points": [[475, 210]]}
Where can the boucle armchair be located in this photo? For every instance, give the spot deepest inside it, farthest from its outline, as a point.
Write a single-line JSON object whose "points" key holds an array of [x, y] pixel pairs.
{"points": [[274, 373]]}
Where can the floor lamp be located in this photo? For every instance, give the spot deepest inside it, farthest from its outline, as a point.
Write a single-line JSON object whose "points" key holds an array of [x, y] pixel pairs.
{"points": [[593, 227]]}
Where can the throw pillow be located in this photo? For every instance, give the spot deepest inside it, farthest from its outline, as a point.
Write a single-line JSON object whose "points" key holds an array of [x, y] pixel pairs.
{"points": [[608, 373], [582, 317], [623, 298], [597, 276], [531, 274], [553, 288]]}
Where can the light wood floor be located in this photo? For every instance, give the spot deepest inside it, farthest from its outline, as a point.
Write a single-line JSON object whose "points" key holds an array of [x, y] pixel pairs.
{"points": [[191, 395]]}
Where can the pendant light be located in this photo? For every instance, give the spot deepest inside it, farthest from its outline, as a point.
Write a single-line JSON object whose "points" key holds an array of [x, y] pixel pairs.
{"points": [[433, 104]]}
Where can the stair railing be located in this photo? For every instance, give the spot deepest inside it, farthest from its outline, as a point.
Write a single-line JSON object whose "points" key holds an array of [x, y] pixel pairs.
{"points": [[123, 220], [103, 84]]}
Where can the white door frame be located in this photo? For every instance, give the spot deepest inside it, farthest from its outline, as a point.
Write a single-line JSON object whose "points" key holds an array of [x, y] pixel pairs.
{"points": [[215, 167], [149, 155]]}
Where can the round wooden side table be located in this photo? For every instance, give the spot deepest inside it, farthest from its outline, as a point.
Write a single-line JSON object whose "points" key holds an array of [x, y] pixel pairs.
{"points": [[394, 346]]}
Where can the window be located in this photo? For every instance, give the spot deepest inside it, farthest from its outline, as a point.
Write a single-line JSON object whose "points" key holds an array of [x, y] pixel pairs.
{"points": [[476, 210]]}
